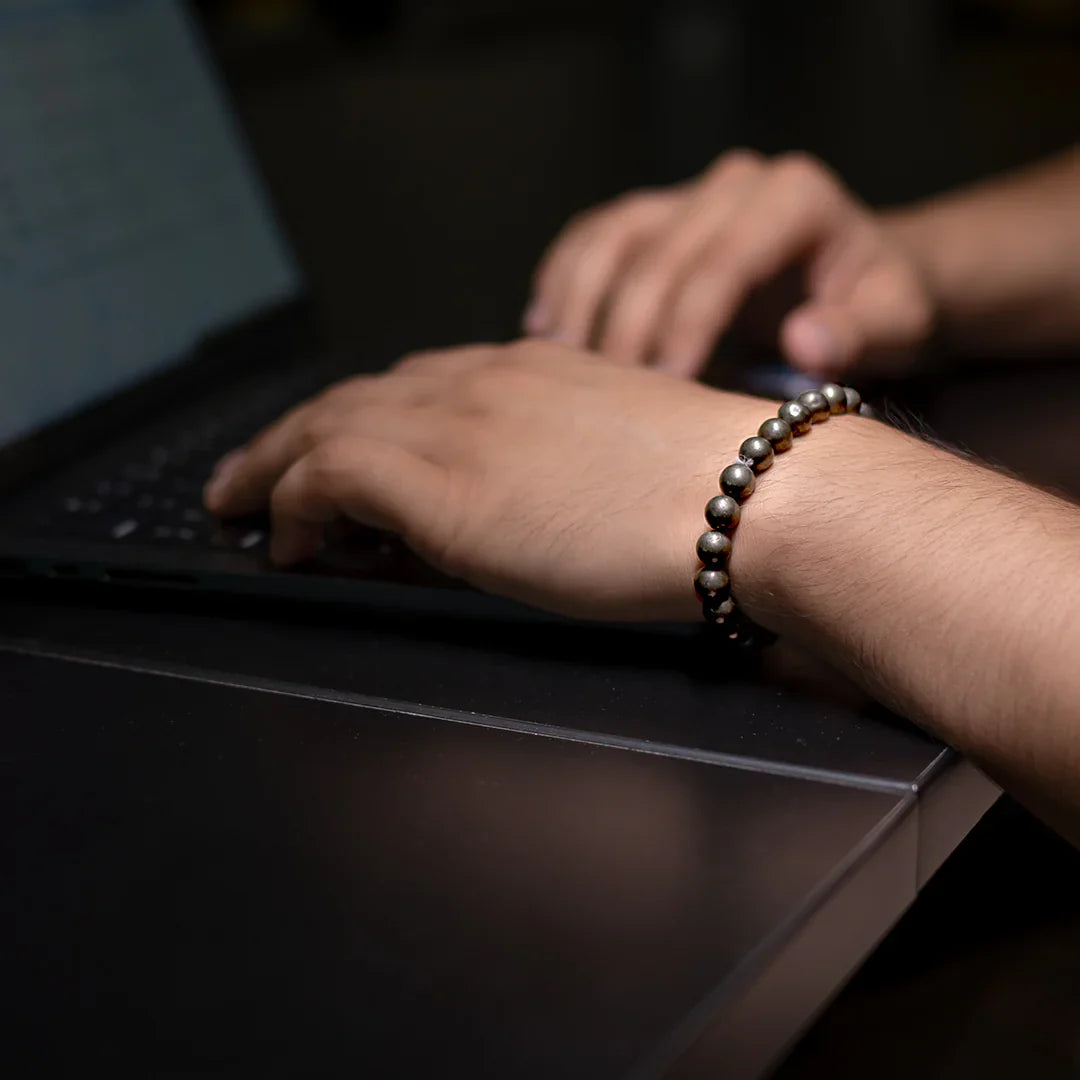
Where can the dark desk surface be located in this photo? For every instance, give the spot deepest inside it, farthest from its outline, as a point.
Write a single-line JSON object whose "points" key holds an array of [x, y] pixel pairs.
{"points": [[280, 838]]}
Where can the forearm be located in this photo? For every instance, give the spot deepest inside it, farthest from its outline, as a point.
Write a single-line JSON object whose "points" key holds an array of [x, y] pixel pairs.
{"points": [[947, 590], [1002, 258]]}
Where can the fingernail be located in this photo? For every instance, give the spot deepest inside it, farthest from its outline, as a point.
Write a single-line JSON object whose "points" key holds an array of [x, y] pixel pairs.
{"points": [[536, 319]]}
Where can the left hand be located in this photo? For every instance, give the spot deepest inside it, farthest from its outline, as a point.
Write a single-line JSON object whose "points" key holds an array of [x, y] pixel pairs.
{"points": [[531, 470]]}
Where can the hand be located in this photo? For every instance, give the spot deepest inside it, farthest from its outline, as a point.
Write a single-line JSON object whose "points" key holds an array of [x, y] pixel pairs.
{"points": [[660, 276], [530, 470]]}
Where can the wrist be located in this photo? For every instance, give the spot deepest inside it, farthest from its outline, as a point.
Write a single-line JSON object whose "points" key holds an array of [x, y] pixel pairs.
{"points": [[787, 563]]}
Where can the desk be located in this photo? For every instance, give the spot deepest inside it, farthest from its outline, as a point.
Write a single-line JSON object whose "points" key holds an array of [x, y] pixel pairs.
{"points": [[296, 840]]}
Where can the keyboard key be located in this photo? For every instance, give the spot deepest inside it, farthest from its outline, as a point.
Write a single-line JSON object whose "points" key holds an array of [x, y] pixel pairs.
{"points": [[123, 528]]}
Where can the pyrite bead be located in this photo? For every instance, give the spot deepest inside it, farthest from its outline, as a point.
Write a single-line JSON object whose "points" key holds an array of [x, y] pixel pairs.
{"points": [[712, 585], [796, 416], [737, 480], [757, 452], [713, 549], [834, 395], [778, 432], [853, 399], [722, 512], [717, 610], [817, 403]]}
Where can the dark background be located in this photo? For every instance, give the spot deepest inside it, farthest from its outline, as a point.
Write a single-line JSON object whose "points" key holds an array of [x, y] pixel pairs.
{"points": [[421, 156]]}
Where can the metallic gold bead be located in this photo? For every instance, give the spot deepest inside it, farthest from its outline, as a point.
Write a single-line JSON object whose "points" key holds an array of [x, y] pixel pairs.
{"points": [[722, 512], [712, 585], [737, 480], [796, 416], [757, 452], [833, 393], [713, 549], [717, 610], [778, 432], [817, 403]]}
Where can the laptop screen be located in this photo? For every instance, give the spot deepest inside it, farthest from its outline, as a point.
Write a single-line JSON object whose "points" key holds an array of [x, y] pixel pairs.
{"points": [[131, 222]]}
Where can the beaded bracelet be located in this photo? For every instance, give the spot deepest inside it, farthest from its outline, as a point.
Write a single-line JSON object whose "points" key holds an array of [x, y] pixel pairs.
{"points": [[737, 482]]}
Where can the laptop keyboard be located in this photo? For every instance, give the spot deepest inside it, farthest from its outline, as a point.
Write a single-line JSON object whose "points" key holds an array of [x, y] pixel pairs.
{"points": [[154, 494]]}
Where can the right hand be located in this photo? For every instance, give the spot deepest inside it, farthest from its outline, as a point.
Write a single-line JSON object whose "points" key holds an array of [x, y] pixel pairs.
{"points": [[658, 277]]}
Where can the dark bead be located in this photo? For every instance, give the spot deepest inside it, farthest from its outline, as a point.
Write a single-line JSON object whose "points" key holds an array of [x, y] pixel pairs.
{"points": [[713, 548], [717, 610], [854, 399], [722, 512], [778, 432], [796, 416], [737, 481], [835, 396], [817, 403], [757, 452], [711, 585]]}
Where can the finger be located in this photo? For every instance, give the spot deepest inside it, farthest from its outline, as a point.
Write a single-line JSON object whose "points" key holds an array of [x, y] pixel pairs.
{"points": [[640, 297], [242, 482], [885, 311], [553, 268], [797, 208], [585, 279], [368, 481], [822, 339]]}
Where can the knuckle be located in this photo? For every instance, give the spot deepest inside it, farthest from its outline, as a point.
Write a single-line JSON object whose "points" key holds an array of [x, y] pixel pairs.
{"points": [[317, 428], [804, 171], [740, 160], [633, 203], [413, 361]]}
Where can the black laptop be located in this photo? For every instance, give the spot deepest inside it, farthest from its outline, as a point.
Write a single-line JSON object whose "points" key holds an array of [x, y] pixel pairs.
{"points": [[151, 316]]}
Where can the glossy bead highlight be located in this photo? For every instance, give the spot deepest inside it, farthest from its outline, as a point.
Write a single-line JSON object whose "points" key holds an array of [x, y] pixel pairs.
{"points": [[833, 393]]}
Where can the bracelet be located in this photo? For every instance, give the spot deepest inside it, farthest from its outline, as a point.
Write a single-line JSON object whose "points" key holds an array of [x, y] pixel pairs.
{"points": [[737, 482]]}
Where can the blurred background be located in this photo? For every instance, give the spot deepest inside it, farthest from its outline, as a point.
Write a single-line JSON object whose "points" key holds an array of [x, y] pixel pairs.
{"points": [[422, 154]]}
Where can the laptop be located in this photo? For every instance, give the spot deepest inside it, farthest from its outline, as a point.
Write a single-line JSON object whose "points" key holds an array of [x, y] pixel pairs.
{"points": [[152, 317]]}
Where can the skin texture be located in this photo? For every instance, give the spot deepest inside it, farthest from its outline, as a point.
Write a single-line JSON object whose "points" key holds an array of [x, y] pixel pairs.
{"points": [[659, 277], [545, 474]]}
